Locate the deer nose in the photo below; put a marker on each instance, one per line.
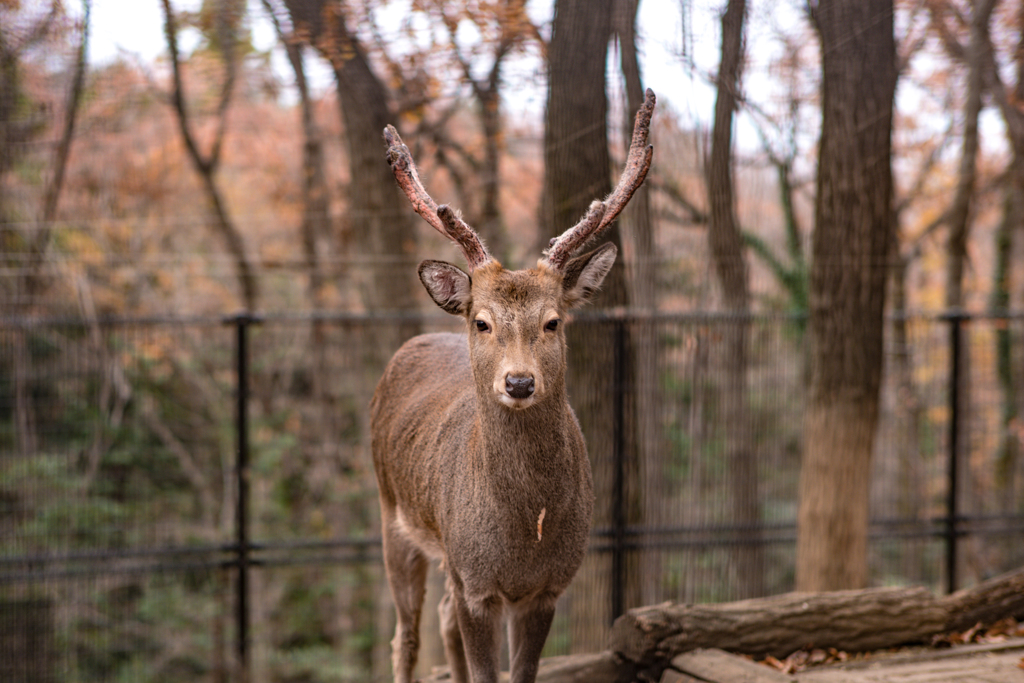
(519, 387)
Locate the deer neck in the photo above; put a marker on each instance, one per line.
(526, 443)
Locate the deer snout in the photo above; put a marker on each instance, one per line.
(519, 387)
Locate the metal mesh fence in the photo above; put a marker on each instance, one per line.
(180, 498)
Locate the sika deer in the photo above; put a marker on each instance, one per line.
(479, 458)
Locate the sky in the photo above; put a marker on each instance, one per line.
(134, 27)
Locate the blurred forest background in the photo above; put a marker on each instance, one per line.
(153, 212)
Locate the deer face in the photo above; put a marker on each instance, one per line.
(515, 320)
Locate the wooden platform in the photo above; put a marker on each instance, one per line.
(988, 663)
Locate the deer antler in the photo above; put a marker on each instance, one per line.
(602, 213)
(443, 219)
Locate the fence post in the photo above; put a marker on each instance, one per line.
(241, 323)
(619, 490)
(955, 319)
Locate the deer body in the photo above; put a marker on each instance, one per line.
(450, 476)
(479, 458)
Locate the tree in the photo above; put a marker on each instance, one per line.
(380, 225)
(576, 157)
(316, 221)
(1009, 233)
(25, 252)
(227, 19)
(382, 229)
(504, 26)
(726, 242)
(976, 58)
(853, 217)
(577, 167)
(637, 230)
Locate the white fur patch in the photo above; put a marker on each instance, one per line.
(419, 537)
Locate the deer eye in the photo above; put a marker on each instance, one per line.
(552, 325)
(482, 326)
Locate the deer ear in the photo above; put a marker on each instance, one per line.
(583, 275)
(447, 285)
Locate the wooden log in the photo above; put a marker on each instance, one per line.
(986, 603)
(673, 676)
(718, 666)
(602, 667)
(854, 620)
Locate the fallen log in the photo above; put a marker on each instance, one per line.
(602, 667)
(854, 620)
(986, 603)
(718, 666)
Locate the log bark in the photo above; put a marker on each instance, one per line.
(602, 667)
(718, 666)
(986, 603)
(849, 620)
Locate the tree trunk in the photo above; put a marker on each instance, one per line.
(726, 244)
(492, 227)
(576, 172)
(1008, 450)
(379, 218)
(576, 159)
(649, 491)
(1009, 238)
(853, 216)
(977, 58)
(488, 95)
(908, 491)
(383, 229)
(960, 210)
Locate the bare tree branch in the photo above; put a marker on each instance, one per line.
(70, 115)
(207, 165)
(678, 197)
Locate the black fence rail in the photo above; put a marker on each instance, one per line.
(194, 499)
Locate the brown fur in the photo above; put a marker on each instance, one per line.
(497, 488)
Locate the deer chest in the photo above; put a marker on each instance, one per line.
(522, 552)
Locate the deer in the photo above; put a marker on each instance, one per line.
(479, 458)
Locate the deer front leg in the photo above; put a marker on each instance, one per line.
(454, 651)
(480, 626)
(527, 630)
(406, 567)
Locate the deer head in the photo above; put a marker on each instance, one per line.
(515, 317)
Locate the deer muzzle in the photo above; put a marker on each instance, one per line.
(519, 387)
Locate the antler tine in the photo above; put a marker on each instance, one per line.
(441, 218)
(459, 232)
(408, 179)
(602, 213)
